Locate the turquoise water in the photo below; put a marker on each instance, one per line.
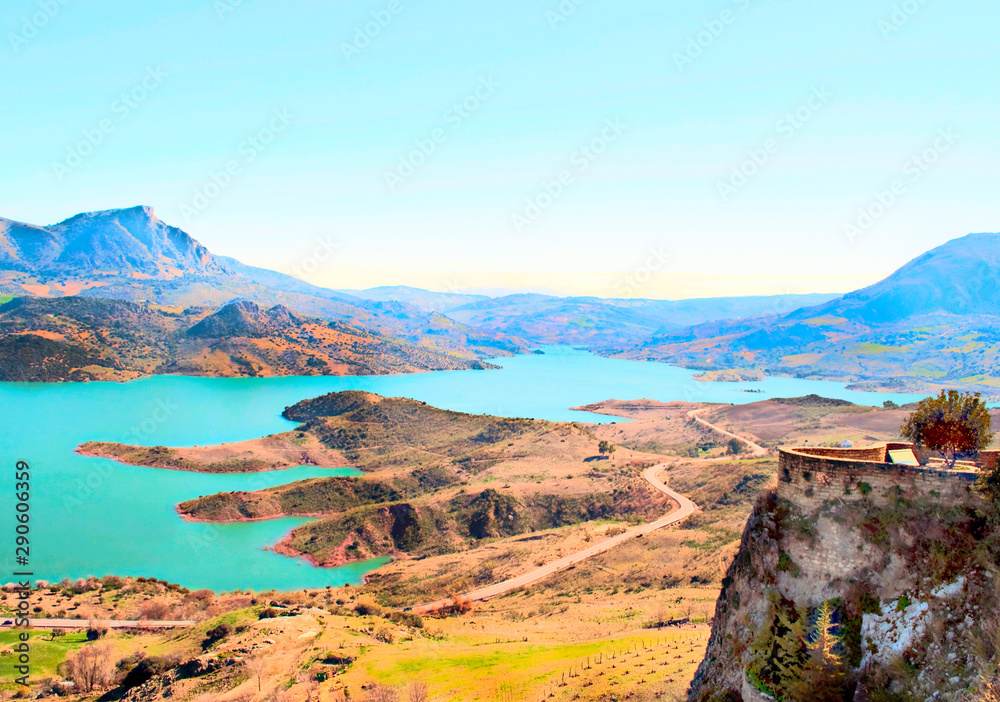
(92, 516)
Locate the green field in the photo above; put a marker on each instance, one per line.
(45, 655)
(468, 670)
(4, 299)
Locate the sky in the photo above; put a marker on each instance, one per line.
(620, 149)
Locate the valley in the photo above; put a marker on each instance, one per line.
(623, 637)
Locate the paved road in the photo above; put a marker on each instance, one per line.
(685, 509)
(757, 449)
(108, 623)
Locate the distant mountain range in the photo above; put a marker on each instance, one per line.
(548, 319)
(130, 255)
(934, 322)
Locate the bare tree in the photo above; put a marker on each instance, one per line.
(257, 666)
(92, 667)
(382, 693)
(417, 692)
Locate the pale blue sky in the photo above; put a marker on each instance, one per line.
(548, 86)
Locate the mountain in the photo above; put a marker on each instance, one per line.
(935, 322)
(130, 243)
(77, 338)
(131, 255)
(544, 319)
(960, 277)
(426, 300)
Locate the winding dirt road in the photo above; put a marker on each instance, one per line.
(685, 509)
(757, 449)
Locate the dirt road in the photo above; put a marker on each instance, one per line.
(685, 509)
(757, 449)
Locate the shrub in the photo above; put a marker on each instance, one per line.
(385, 635)
(217, 633)
(367, 606)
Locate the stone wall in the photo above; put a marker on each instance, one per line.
(811, 476)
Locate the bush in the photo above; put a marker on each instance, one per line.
(154, 609)
(385, 635)
(147, 668)
(367, 606)
(217, 633)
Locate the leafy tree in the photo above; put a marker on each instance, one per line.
(606, 447)
(952, 423)
(735, 446)
(890, 405)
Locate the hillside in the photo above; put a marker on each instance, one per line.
(933, 323)
(131, 255)
(76, 338)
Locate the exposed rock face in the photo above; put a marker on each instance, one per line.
(858, 580)
(127, 241)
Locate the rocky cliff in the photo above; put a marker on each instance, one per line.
(859, 580)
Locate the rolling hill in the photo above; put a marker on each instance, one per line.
(76, 339)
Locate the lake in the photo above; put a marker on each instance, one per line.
(92, 516)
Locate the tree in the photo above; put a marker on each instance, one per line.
(92, 667)
(952, 423)
(257, 666)
(382, 693)
(417, 692)
(606, 447)
(735, 446)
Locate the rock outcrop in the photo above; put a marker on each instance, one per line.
(858, 579)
